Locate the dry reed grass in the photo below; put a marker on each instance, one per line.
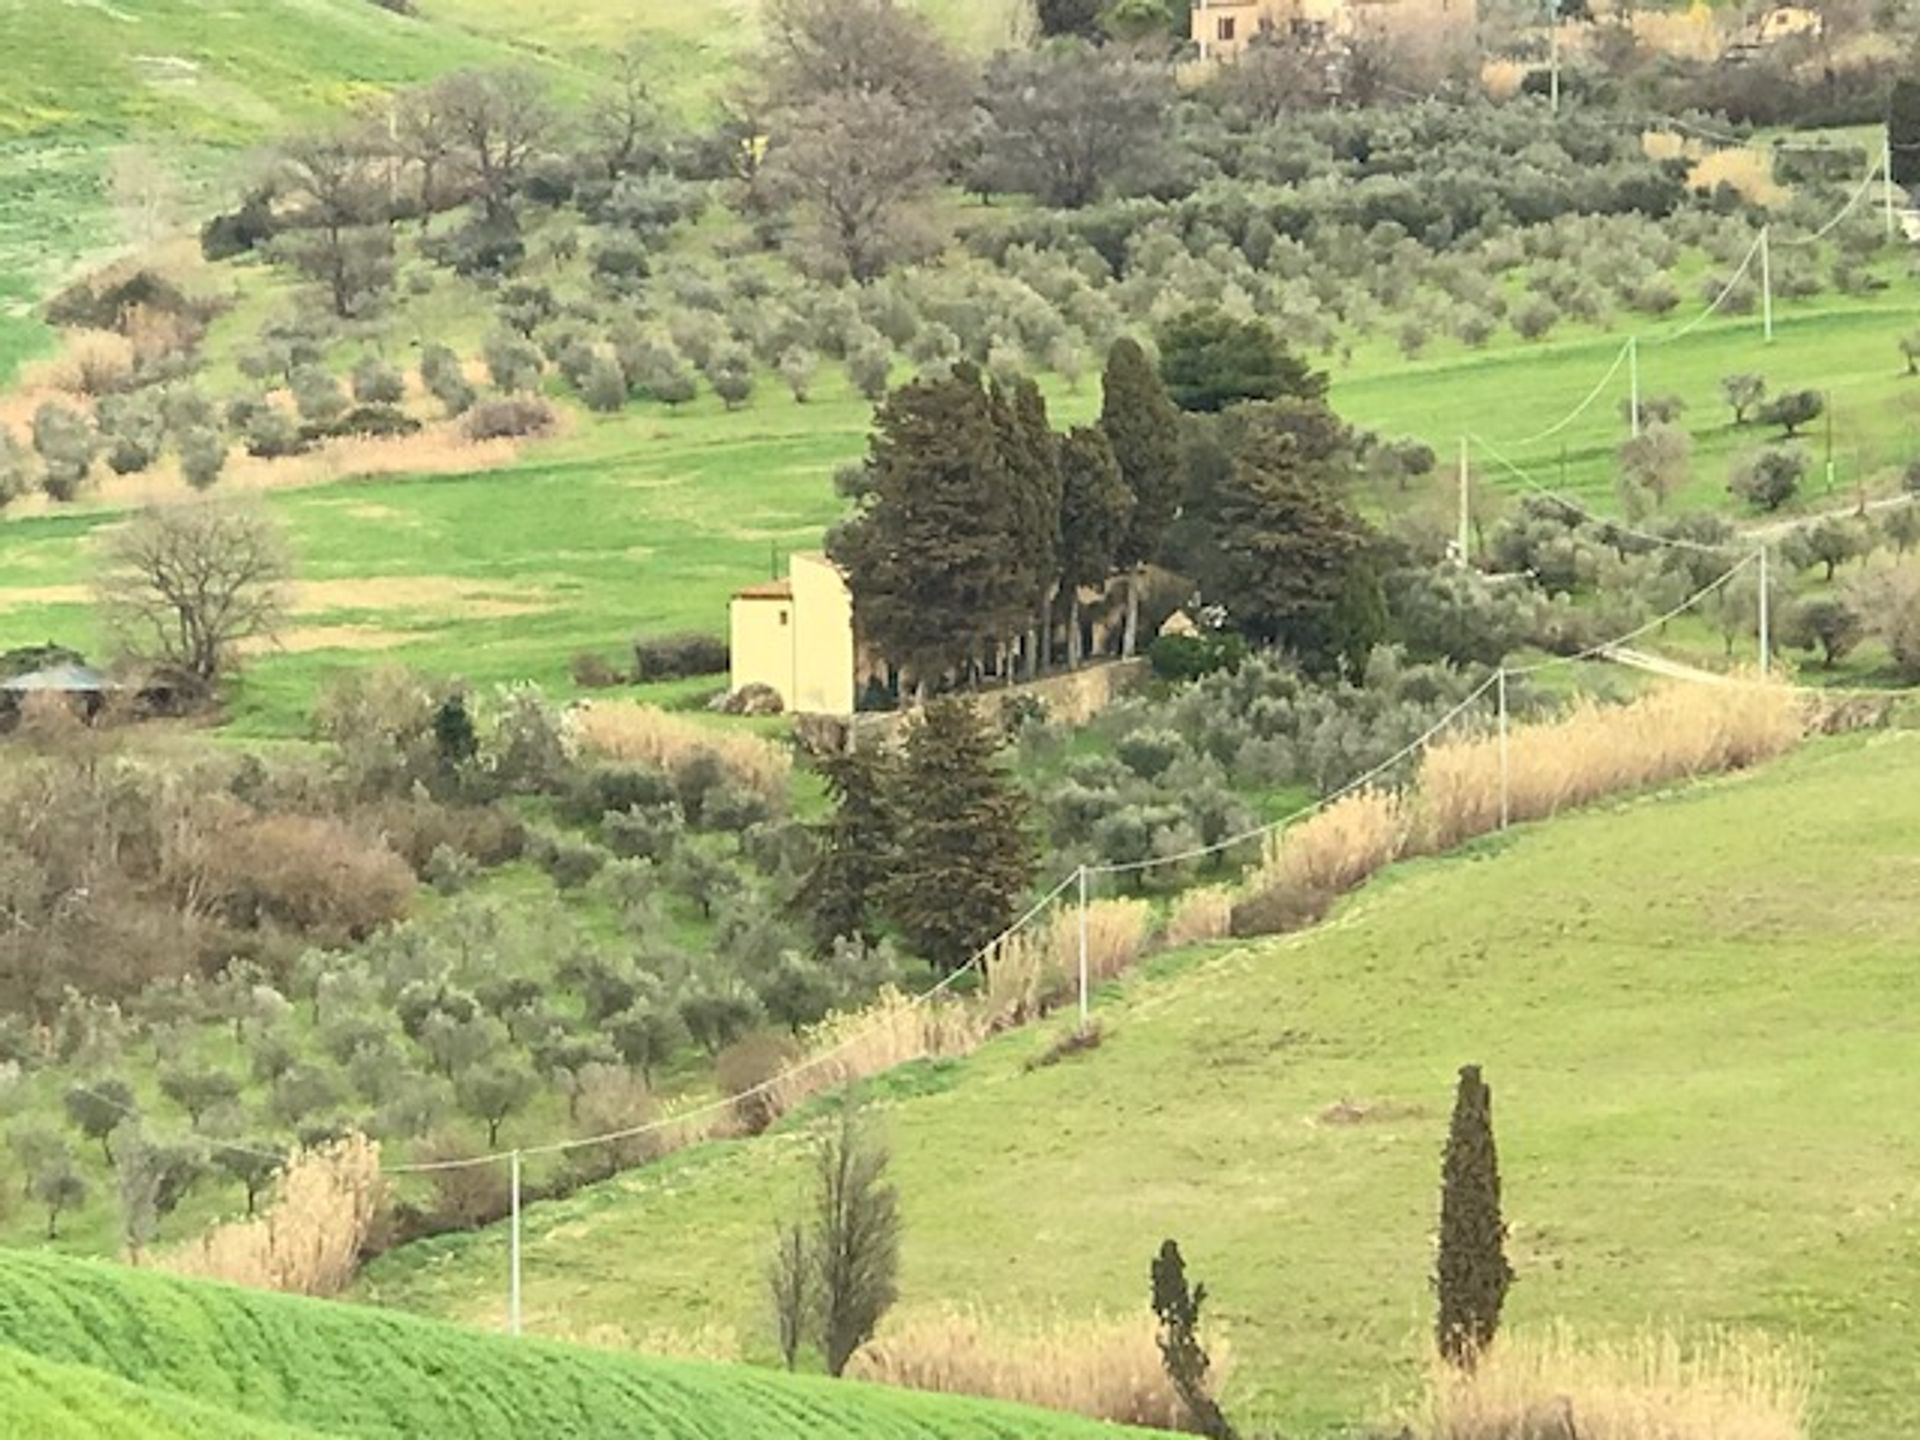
(1337, 848)
(1198, 915)
(645, 735)
(1105, 1368)
(308, 1239)
(1656, 1386)
(1598, 750)
(890, 1031)
(1033, 972)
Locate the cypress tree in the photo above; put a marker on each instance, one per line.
(1177, 1308)
(1283, 550)
(929, 556)
(1031, 455)
(963, 858)
(1903, 132)
(1095, 506)
(841, 897)
(1144, 429)
(1472, 1276)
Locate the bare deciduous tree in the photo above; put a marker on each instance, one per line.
(859, 162)
(856, 1240)
(790, 1286)
(336, 184)
(185, 585)
(499, 121)
(1064, 121)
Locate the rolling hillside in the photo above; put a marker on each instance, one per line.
(92, 1350)
(1694, 1010)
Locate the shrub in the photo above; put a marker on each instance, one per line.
(590, 671)
(272, 434)
(1108, 1369)
(743, 1071)
(1201, 914)
(512, 364)
(375, 382)
(380, 422)
(604, 388)
(465, 1197)
(66, 442)
(508, 417)
(91, 363)
(1148, 753)
(611, 1099)
(1183, 658)
(570, 862)
(440, 372)
(679, 656)
(416, 828)
(1770, 478)
(310, 874)
(203, 455)
(318, 396)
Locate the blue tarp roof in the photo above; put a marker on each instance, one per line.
(61, 679)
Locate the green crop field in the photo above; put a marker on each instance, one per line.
(1694, 1011)
(110, 1348)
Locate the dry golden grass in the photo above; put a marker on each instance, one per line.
(1656, 1386)
(1598, 750)
(647, 736)
(89, 363)
(1672, 734)
(308, 1238)
(1105, 1368)
(1031, 973)
(889, 1031)
(1338, 847)
(1202, 914)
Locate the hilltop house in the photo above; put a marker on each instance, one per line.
(1222, 29)
(796, 637)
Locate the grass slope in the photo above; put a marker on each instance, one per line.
(1695, 1010)
(50, 1401)
(340, 1371)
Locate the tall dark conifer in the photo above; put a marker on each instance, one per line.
(963, 858)
(1472, 1276)
(1144, 428)
(1285, 552)
(936, 583)
(1903, 132)
(1095, 506)
(842, 895)
(1032, 457)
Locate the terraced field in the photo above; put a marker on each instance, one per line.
(103, 1351)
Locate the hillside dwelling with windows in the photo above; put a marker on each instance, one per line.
(796, 637)
(1222, 29)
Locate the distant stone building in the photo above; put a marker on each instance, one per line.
(1222, 29)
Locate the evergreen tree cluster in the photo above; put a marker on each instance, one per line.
(932, 841)
(976, 515)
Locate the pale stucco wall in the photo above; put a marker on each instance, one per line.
(761, 639)
(823, 682)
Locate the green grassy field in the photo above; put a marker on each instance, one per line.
(1699, 1046)
(102, 1350)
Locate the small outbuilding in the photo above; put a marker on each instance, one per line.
(86, 689)
(796, 637)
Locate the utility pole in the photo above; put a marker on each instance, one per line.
(1633, 383)
(1766, 280)
(1506, 803)
(1827, 406)
(1086, 1007)
(1886, 176)
(1766, 640)
(1553, 55)
(1466, 519)
(513, 1277)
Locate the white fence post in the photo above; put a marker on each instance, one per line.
(1766, 279)
(513, 1276)
(1766, 606)
(1085, 999)
(1506, 804)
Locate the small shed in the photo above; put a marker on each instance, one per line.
(82, 686)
